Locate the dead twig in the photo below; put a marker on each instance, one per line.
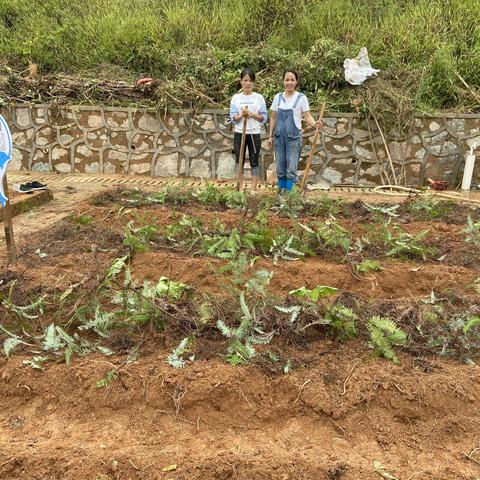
(301, 390)
(348, 378)
(243, 395)
(134, 466)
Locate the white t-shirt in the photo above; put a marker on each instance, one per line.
(255, 103)
(289, 102)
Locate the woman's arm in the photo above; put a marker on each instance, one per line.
(311, 122)
(273, 121)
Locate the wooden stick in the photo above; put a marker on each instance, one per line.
(312, 151)
(381, 170)
(7, 221)
(386, 149)
(241, 160)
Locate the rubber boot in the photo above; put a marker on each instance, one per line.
(282, 184)
(289, 184)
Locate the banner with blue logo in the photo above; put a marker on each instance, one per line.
(5, 156)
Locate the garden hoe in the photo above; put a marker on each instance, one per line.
(241, 160)
(322, 183)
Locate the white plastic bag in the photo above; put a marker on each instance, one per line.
(357, 70)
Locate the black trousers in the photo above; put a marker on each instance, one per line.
(253, 142)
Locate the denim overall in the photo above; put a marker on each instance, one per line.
(288, 145)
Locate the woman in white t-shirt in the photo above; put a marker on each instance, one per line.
(248, 106)
(288, 109)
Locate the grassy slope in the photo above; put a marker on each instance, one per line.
(419, 44)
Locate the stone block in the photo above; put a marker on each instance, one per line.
(93, 167)
(170, 165)
(62, 167)
(117, 120)
(60, 154)
(19, 161)
(149, 123)
(22, 115)
(225, 165)
(142, 142)
(333, 175)
(45, 136)
(200, 168)
(40, 167)
(139, 168)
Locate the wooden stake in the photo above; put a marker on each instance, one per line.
(241, 160)
(7, 221)
(312, 151)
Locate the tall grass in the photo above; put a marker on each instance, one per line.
(210, 40)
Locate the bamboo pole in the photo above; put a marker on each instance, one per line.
(7, 222)
(312, 151)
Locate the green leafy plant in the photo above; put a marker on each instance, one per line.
(109, 377)
(222, 246)
(243, 338)
(327, 206)
(472, 323)
(80, 219)
(282, 249)
(29, 312)
(328, 235)
(369, 266)
(137, 239)
(429, 206)
(391, 210)
(384, 335)
(320, 291)
(175, 359)
(401, 243)
(472, 231)
(342, 319)
(290, 204)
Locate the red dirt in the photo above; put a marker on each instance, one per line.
(337, 412)
(216, 421)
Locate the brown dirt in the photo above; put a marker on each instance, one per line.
(331, 419)
(337, 412)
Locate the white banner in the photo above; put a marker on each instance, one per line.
(5, 156)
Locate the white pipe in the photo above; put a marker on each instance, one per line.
(468, 170)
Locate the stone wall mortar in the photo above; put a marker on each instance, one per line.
(188, 143)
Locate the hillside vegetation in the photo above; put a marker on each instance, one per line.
(428, 51)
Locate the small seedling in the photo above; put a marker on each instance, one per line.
(175, 359)
(320, 291)
(107, 379)
(369, 266)
(384, 335)
(80, 219)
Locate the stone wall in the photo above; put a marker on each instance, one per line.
(139, 142)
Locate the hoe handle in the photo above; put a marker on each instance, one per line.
(312, 151)
(241, 160)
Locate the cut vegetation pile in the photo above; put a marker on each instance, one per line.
(244, 337)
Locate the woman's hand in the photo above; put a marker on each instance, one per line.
(270, 142)
(318, 124)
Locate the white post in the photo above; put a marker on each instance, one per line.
(468, 170)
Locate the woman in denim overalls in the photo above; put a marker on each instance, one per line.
(288, 108)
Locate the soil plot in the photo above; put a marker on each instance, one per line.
(209, 334)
